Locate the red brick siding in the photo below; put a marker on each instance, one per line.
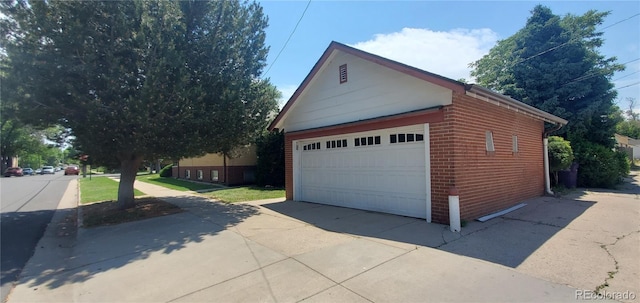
(236, 173)
(442, 165)
(288, 166)
(488, 182)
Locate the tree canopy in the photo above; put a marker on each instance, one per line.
(629, 124)
(553, 63)
(137, 80)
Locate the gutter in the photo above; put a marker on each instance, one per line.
(490, 96)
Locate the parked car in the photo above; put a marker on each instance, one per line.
(27, 171)
(47, 170)
(38, 171)
(13, 171)
(71, 170)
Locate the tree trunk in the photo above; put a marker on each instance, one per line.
(224, 168)
(128, 170)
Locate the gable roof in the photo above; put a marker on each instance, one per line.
(456, 86)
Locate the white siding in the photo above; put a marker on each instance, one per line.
(371, 91)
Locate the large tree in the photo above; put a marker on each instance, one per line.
(137, 80)
(629, 124)
(553, 63)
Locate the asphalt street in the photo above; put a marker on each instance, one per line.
(28, 204)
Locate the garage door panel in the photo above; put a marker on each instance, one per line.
(386, 177)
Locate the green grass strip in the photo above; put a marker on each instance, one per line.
(176, 184)
(246, 193)
(100, 189)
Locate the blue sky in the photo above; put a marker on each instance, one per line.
(440, 37)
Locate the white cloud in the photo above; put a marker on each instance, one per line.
(287, 91)
(444, 53)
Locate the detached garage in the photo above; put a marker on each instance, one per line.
(370, 133)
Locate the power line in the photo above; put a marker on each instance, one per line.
(627, 75)
(638, 14)
(286, 42)
(572, 40)
(597, 73)
(632, 84)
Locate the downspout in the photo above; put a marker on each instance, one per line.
(545, 144)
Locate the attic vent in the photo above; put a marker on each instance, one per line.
(343, 73)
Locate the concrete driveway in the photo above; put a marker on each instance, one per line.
(281, 251)
(588, 240)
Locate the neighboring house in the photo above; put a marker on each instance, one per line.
(635, 144)
(625, 144)
(370, 133)
(621, 140)
(210, 168)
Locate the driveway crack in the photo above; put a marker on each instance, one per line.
(611, 274)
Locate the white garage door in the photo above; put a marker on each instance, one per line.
(378, 170)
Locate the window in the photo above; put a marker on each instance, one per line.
(364, 141)
(199, 174)
(311, 146)
(489, 141)
(187, 174)
(401, 138)
(214, 175)
(343, 73)
(337, 143)
(514, 140)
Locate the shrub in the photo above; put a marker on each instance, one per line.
(166, 171)
(270, 164)
(599, 165)
(560, 155)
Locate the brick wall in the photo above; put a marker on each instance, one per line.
(488, 182)
(288, 166)
(236, 173)
(442, 165)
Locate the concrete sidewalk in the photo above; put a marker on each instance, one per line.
(272, 251)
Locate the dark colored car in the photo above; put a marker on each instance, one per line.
(71, 170)
(28, 171)
(13, 171)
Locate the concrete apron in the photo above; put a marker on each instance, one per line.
(290, 251)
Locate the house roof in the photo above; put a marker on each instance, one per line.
(456, 86)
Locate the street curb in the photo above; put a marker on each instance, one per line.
(56, 245)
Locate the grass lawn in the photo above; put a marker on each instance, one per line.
(176, 184)
(100, 189)
(246, 193)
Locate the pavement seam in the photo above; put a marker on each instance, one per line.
(246, 243)
(336, 283)
(465, 235)
(611, 274)
(224, 281)
(368, 270)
